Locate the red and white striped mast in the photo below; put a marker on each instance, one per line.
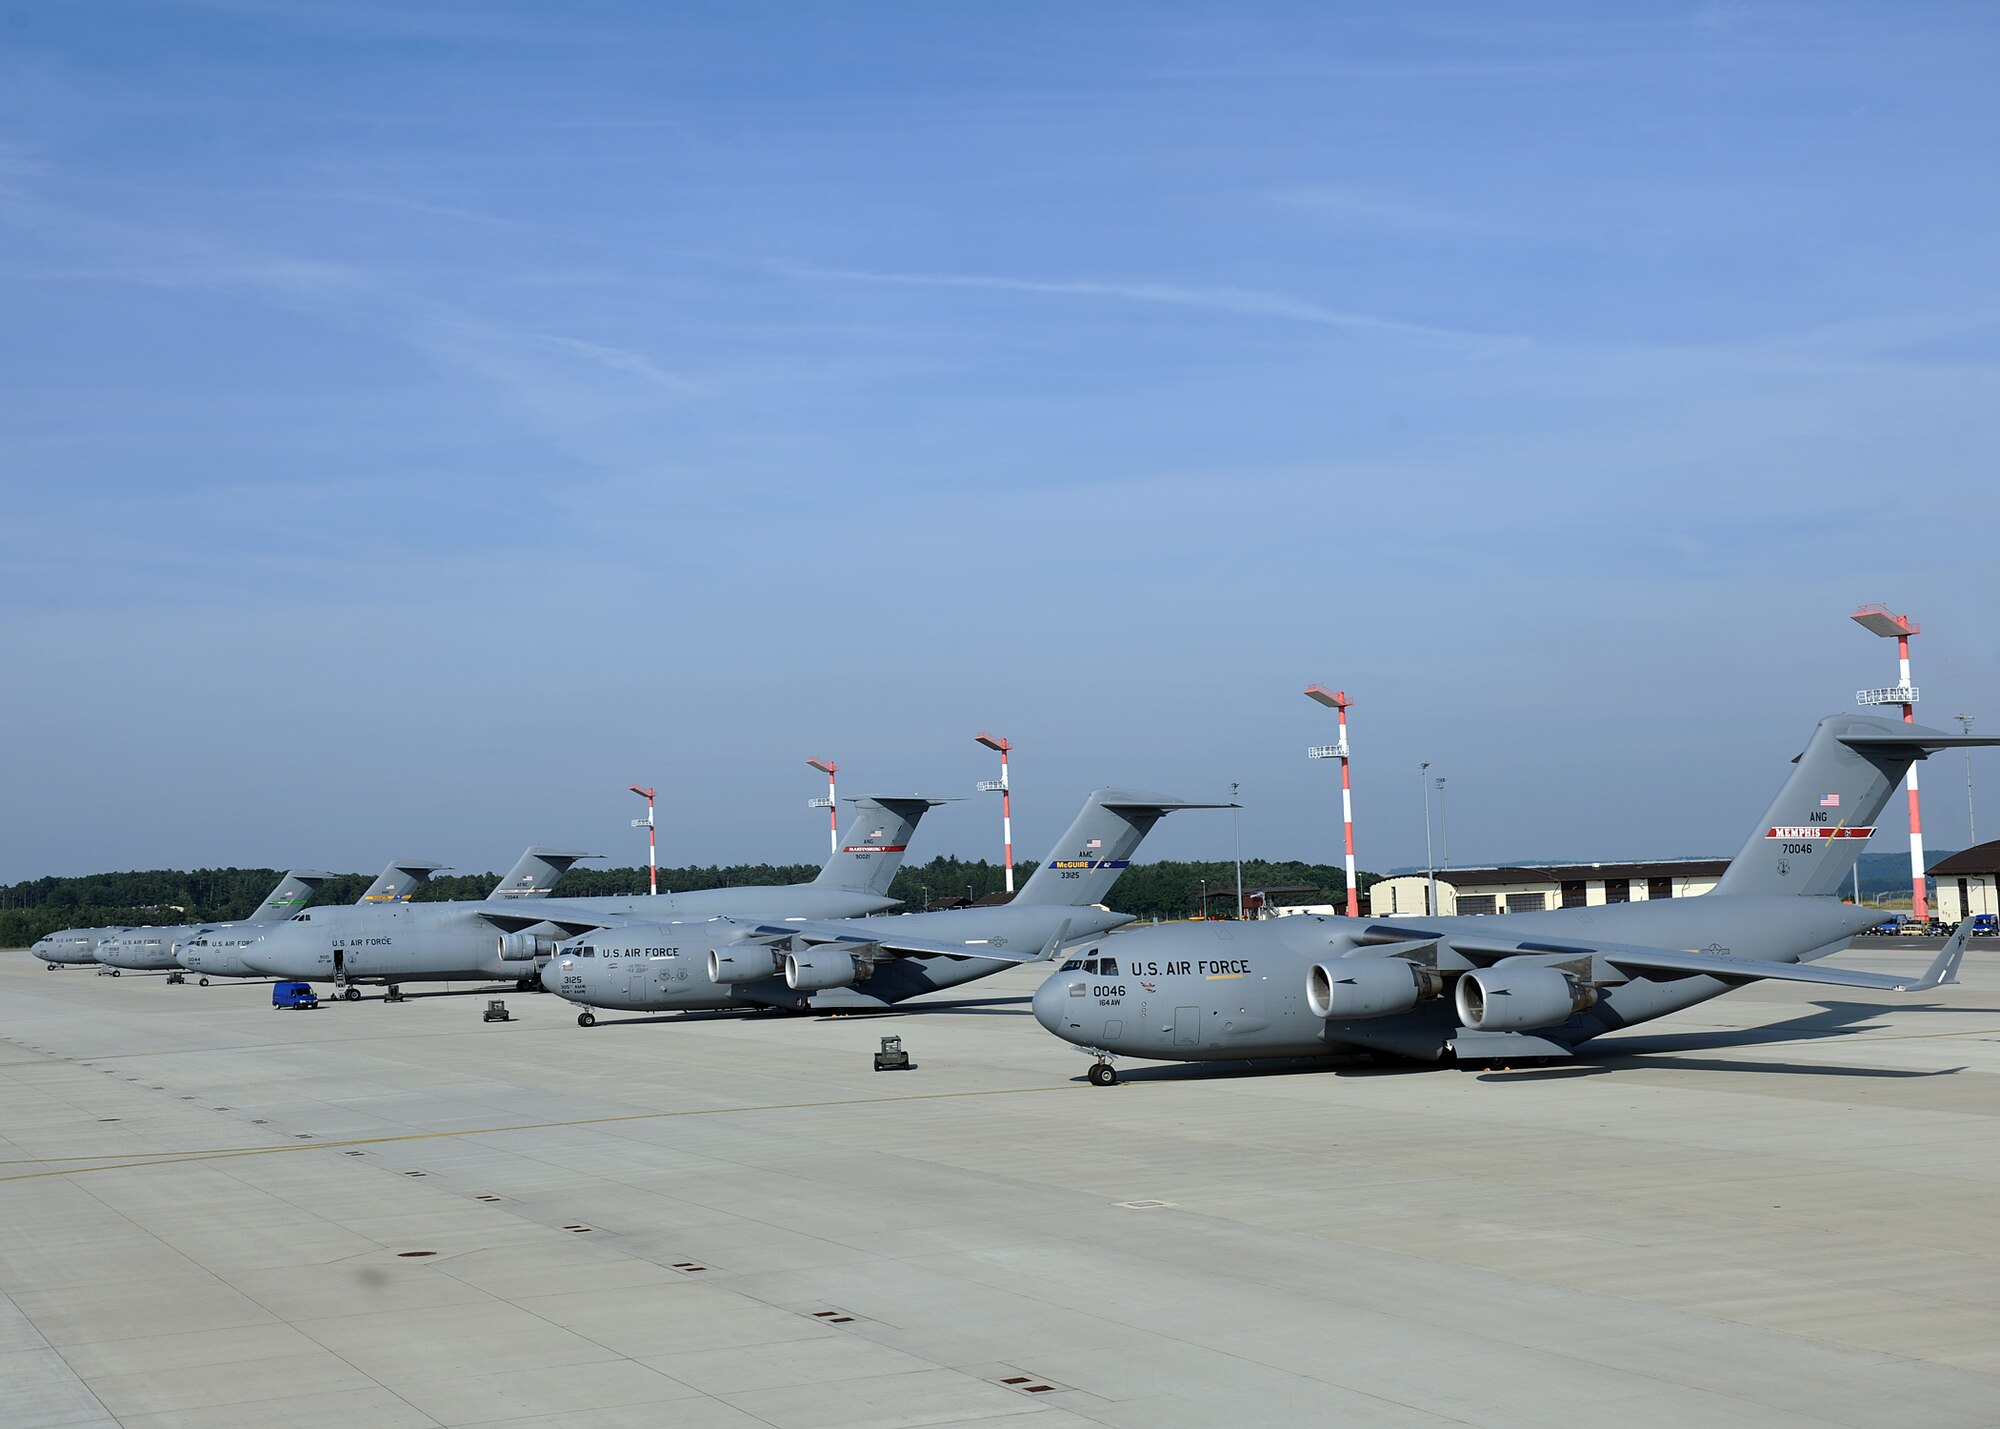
(1880, 620)
(652, 847)
(830, 803)
(988, 786)
(1337, 700)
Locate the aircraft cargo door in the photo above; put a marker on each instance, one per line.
(1187, 1026)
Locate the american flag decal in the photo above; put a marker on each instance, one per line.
(1831, 801)
(1095, 843)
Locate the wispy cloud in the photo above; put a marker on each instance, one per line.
(1239, 302)
(618, 359)
(1376, 210)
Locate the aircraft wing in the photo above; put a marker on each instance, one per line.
(1478, 949)
(542, 916)
(873, 943)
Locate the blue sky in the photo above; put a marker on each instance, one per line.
(423, 421)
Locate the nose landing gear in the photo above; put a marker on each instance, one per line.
(586, 1019)
(1103, 1074)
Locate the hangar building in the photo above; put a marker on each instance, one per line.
(1967, 883)
(1534, 888)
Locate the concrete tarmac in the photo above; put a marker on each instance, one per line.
(1777, 1209)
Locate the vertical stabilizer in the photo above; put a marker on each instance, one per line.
(1087, 859)
(293, 892)
(537, 871)
(874, 842)
(399, 882)
(1810, 837)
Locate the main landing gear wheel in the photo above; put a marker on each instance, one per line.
(353, 994)
(1103, 1074)
(586, 1019)
(204, 982)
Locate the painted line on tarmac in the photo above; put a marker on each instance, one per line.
(232, 1153)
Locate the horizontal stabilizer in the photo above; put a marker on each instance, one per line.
(867, 939)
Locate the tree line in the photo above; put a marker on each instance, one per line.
(160, 897)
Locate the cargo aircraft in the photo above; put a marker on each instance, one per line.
(860, 964)
(504, 938)
(218, 952)
(159, 949)
(1525, 985)
(72, 946)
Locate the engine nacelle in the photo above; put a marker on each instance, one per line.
(526, 947)
(819, 968)
(1349, 989)
(741, 962)
(1515, 998)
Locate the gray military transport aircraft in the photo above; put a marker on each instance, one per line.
(860, 964)
(159, 949)
(71, 946)
(218, 952)
(499, 939)
(1480, 988)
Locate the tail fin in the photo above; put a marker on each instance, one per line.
(1087, 860)
(874, 841)
(537, 872)
(293, 892)
(399, 882)
(1816, 828)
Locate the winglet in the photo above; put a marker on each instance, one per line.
(1052, 949)
(1945, 969)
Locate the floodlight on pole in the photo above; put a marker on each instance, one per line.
(1430, 868)
(1880, 620)
(988, 786)
(1971, 824)
(652, 847)
(831, 803)
(1337, 700)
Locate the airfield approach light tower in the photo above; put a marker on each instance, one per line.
(652, 845)
(990, 786)
(1337, 700)
(830, 803)
(1880, 620)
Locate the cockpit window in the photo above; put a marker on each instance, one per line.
(302, 917)
(1073, 965)
(586, 952)
(1108, 968)
(1090, 965)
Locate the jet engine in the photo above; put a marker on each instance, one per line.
(741, 962)
(1510, 997)
(1348, 989)
(526, 947)
(819, 968)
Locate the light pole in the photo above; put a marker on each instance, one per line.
(1444, 826)
(1879, 620)
(1337, 700)
(1430, 868)
(989, 786)
(829, 803)
(1204, 900)
(1236, 837)
(1971, 825)
(652, 847)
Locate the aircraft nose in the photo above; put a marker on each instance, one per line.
(1049, 1003)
